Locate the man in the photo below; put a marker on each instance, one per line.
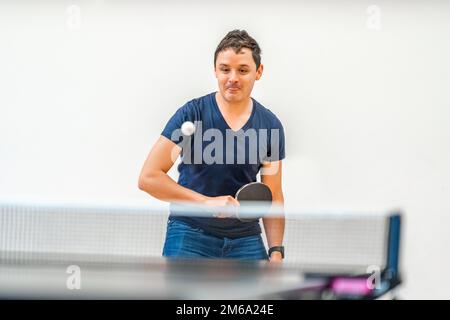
(213, 168)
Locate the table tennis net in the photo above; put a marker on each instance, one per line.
(100, 234)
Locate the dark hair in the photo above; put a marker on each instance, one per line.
(236, 40)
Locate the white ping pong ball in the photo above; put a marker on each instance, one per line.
(188, 128)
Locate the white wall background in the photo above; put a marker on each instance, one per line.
(366, 110)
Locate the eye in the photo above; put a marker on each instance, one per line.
(244, 70)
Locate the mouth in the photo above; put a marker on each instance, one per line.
(233, 89)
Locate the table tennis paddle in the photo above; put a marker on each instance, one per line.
(255, 194)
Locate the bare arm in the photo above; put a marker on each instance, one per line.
(274, 226)
(155, 181)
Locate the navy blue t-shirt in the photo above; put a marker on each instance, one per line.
(217, 161)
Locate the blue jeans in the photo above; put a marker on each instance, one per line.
(185, 241)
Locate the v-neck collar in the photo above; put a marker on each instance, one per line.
(214, 101)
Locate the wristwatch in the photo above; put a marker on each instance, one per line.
(277, 248)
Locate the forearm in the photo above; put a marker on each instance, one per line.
(162, 187)
(274, 228)
(274, 223)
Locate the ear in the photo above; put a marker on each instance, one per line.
(259, 72)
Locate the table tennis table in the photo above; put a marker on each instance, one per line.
(164, 278)
(155, 278)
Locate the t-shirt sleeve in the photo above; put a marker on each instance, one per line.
(276, 143)
(172, 130)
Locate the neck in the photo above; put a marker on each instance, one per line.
(234, 108)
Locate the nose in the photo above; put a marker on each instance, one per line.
(233, 77)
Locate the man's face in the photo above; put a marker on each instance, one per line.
(236, 74)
